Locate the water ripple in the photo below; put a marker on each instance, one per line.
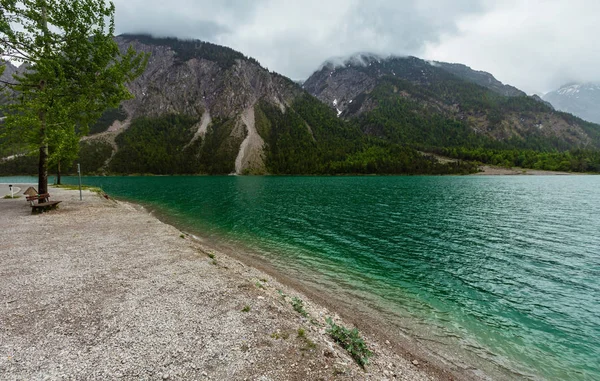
(504, 269)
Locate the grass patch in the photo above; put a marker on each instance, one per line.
(351, 341)
(9, 197)
(83, 187)
(214, 262)
(182, 236)
(282, 335)
(298, 305)
(308, 344)
(260, 285)
(246, 309)
(211, 255)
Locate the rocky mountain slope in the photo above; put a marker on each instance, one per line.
(400, 97)
(7, 76)
(204, 108)
(581, 99)
(208, 84)
(480, 78)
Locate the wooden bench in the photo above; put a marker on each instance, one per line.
(43, 204)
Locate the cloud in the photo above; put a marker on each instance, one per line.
(295, 37)
(535, 45)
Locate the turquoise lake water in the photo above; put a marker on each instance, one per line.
(507, 269)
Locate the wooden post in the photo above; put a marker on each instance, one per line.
(79, 173)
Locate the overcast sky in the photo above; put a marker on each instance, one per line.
(536, 45)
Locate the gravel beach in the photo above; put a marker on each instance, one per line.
(100, 289)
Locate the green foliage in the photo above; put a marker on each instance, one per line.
(156, 145)
(298, 305)
(308, 344)
(396, 159)
(20, 165)
(282, 335)
(569, 161)
(219, 148)
(351, 341)
(63, 147)
(246, 309)
(107, 119)
(410, 121)
(93, 155)
(447, 112)
(310, 139)
(75, 71)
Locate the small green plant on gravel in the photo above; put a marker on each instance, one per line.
(282, 335)
(11, 197)
(260, 285)
(181, 236)
(211, 255)
(351, 341)
(246, 309)
(214, 262)
(337, 372)
(308, 344)
(264, 280)
(298, 305)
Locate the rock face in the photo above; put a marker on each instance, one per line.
(581, 99)
(9, 70)
(7, 76)
(206, 81)
(365, 84)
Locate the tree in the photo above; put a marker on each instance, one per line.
(75, 70)
(63, 146)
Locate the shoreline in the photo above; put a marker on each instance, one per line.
(488, 170)
(370, 323)
(113, 288)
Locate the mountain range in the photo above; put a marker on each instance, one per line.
(581, 99)
(204, 108)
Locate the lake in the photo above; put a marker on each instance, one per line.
(502, 271)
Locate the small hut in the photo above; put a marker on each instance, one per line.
(30, 191)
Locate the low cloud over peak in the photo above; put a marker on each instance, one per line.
(536, 45)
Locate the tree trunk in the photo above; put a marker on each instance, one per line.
(43, 165)
(58, 173)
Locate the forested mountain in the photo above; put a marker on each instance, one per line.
(409, 100)
(581, 99)
(204, 108)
